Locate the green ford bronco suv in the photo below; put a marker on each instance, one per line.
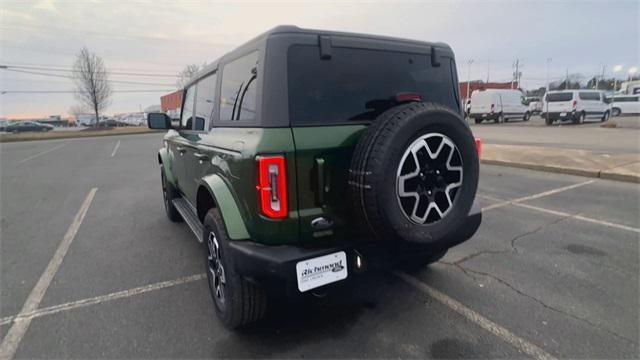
(305, 157)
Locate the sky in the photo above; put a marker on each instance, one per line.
(158, 38)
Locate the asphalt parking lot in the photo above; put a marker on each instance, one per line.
(552, 273)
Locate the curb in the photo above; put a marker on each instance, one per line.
(601, 174)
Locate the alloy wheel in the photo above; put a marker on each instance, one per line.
(428, 178)
(215, 270)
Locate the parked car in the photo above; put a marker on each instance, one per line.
(23, 126)
(624, 104)
(299, 164)
(535, 107)
(3, 124)
(498, 105)
(574, 105)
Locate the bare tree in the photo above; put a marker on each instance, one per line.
(93, 89)
(188, 73)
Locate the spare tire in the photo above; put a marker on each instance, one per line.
(414, 174)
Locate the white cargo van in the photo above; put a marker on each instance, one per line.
(574, 105)
(498, 105)
(625, 104)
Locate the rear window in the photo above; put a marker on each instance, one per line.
(589, 96)
(557, 97)
(358, 85)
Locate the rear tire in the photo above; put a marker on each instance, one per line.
(478, 121)
(580, 119)
(169, 193)
(526, 117)
(237, 301)
(548, 121)
(499, 119)
(616, 112)
(605, 117)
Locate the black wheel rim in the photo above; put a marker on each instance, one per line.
(428, 178)
(215, 271)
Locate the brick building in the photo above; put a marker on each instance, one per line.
(479, 84)
(171, 103)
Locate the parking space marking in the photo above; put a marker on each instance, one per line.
(102, 298)
(19, 328)
(559, 213)
(535, 196)
(113, 153)
(41, 153)
(497, 330)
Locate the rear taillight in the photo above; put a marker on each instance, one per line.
(574, 105)
(272, 186)
(479, 147)
(493, 107)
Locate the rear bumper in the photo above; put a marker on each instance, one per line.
(259, 261)
(484, 116)
(570, 115)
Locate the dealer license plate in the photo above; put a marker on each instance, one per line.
(313, 273)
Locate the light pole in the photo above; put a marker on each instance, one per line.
(548, 62)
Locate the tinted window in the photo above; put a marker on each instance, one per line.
(238, 90)
(589, 96)
(358, 85)
(205, 96)
(625, 99)
(557, 97)
(186, 120)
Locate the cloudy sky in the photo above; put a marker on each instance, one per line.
(151, 41)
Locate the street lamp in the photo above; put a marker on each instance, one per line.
(468, 78)
(548, 62)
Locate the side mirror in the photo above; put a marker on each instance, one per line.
(158, 121)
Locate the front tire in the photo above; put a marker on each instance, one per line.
(526, 117)
(237, 301)
(605, 117)
(499, 119)
(616, 112)
(478, 121)
(169, 193)
(548, 121)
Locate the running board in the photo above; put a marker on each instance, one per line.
(188, 213)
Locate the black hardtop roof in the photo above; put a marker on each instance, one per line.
(295, 30)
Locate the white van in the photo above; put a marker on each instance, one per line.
(574, 105)
(625, 104)
(498, 105)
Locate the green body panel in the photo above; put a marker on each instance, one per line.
(228, 206)
(167, 163)
(323, 158)
(231, 157)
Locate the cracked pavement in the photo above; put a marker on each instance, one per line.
(569, 286)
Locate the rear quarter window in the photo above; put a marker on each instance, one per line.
(558, 97)
(589, 96)
(357, 85)
(238, 89)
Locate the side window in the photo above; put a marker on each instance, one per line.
(238, 90)
(589, 96)
(186, 119)
(205, 96)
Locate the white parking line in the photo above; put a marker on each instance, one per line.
(41, 153)
(536, 196)
(115, 149)
(558, 213)
(497, 330)
(19, 328)
(101, 299)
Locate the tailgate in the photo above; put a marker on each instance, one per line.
(323, 157)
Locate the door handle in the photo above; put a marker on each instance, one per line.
(201, 157)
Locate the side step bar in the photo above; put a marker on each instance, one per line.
(190, 216)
